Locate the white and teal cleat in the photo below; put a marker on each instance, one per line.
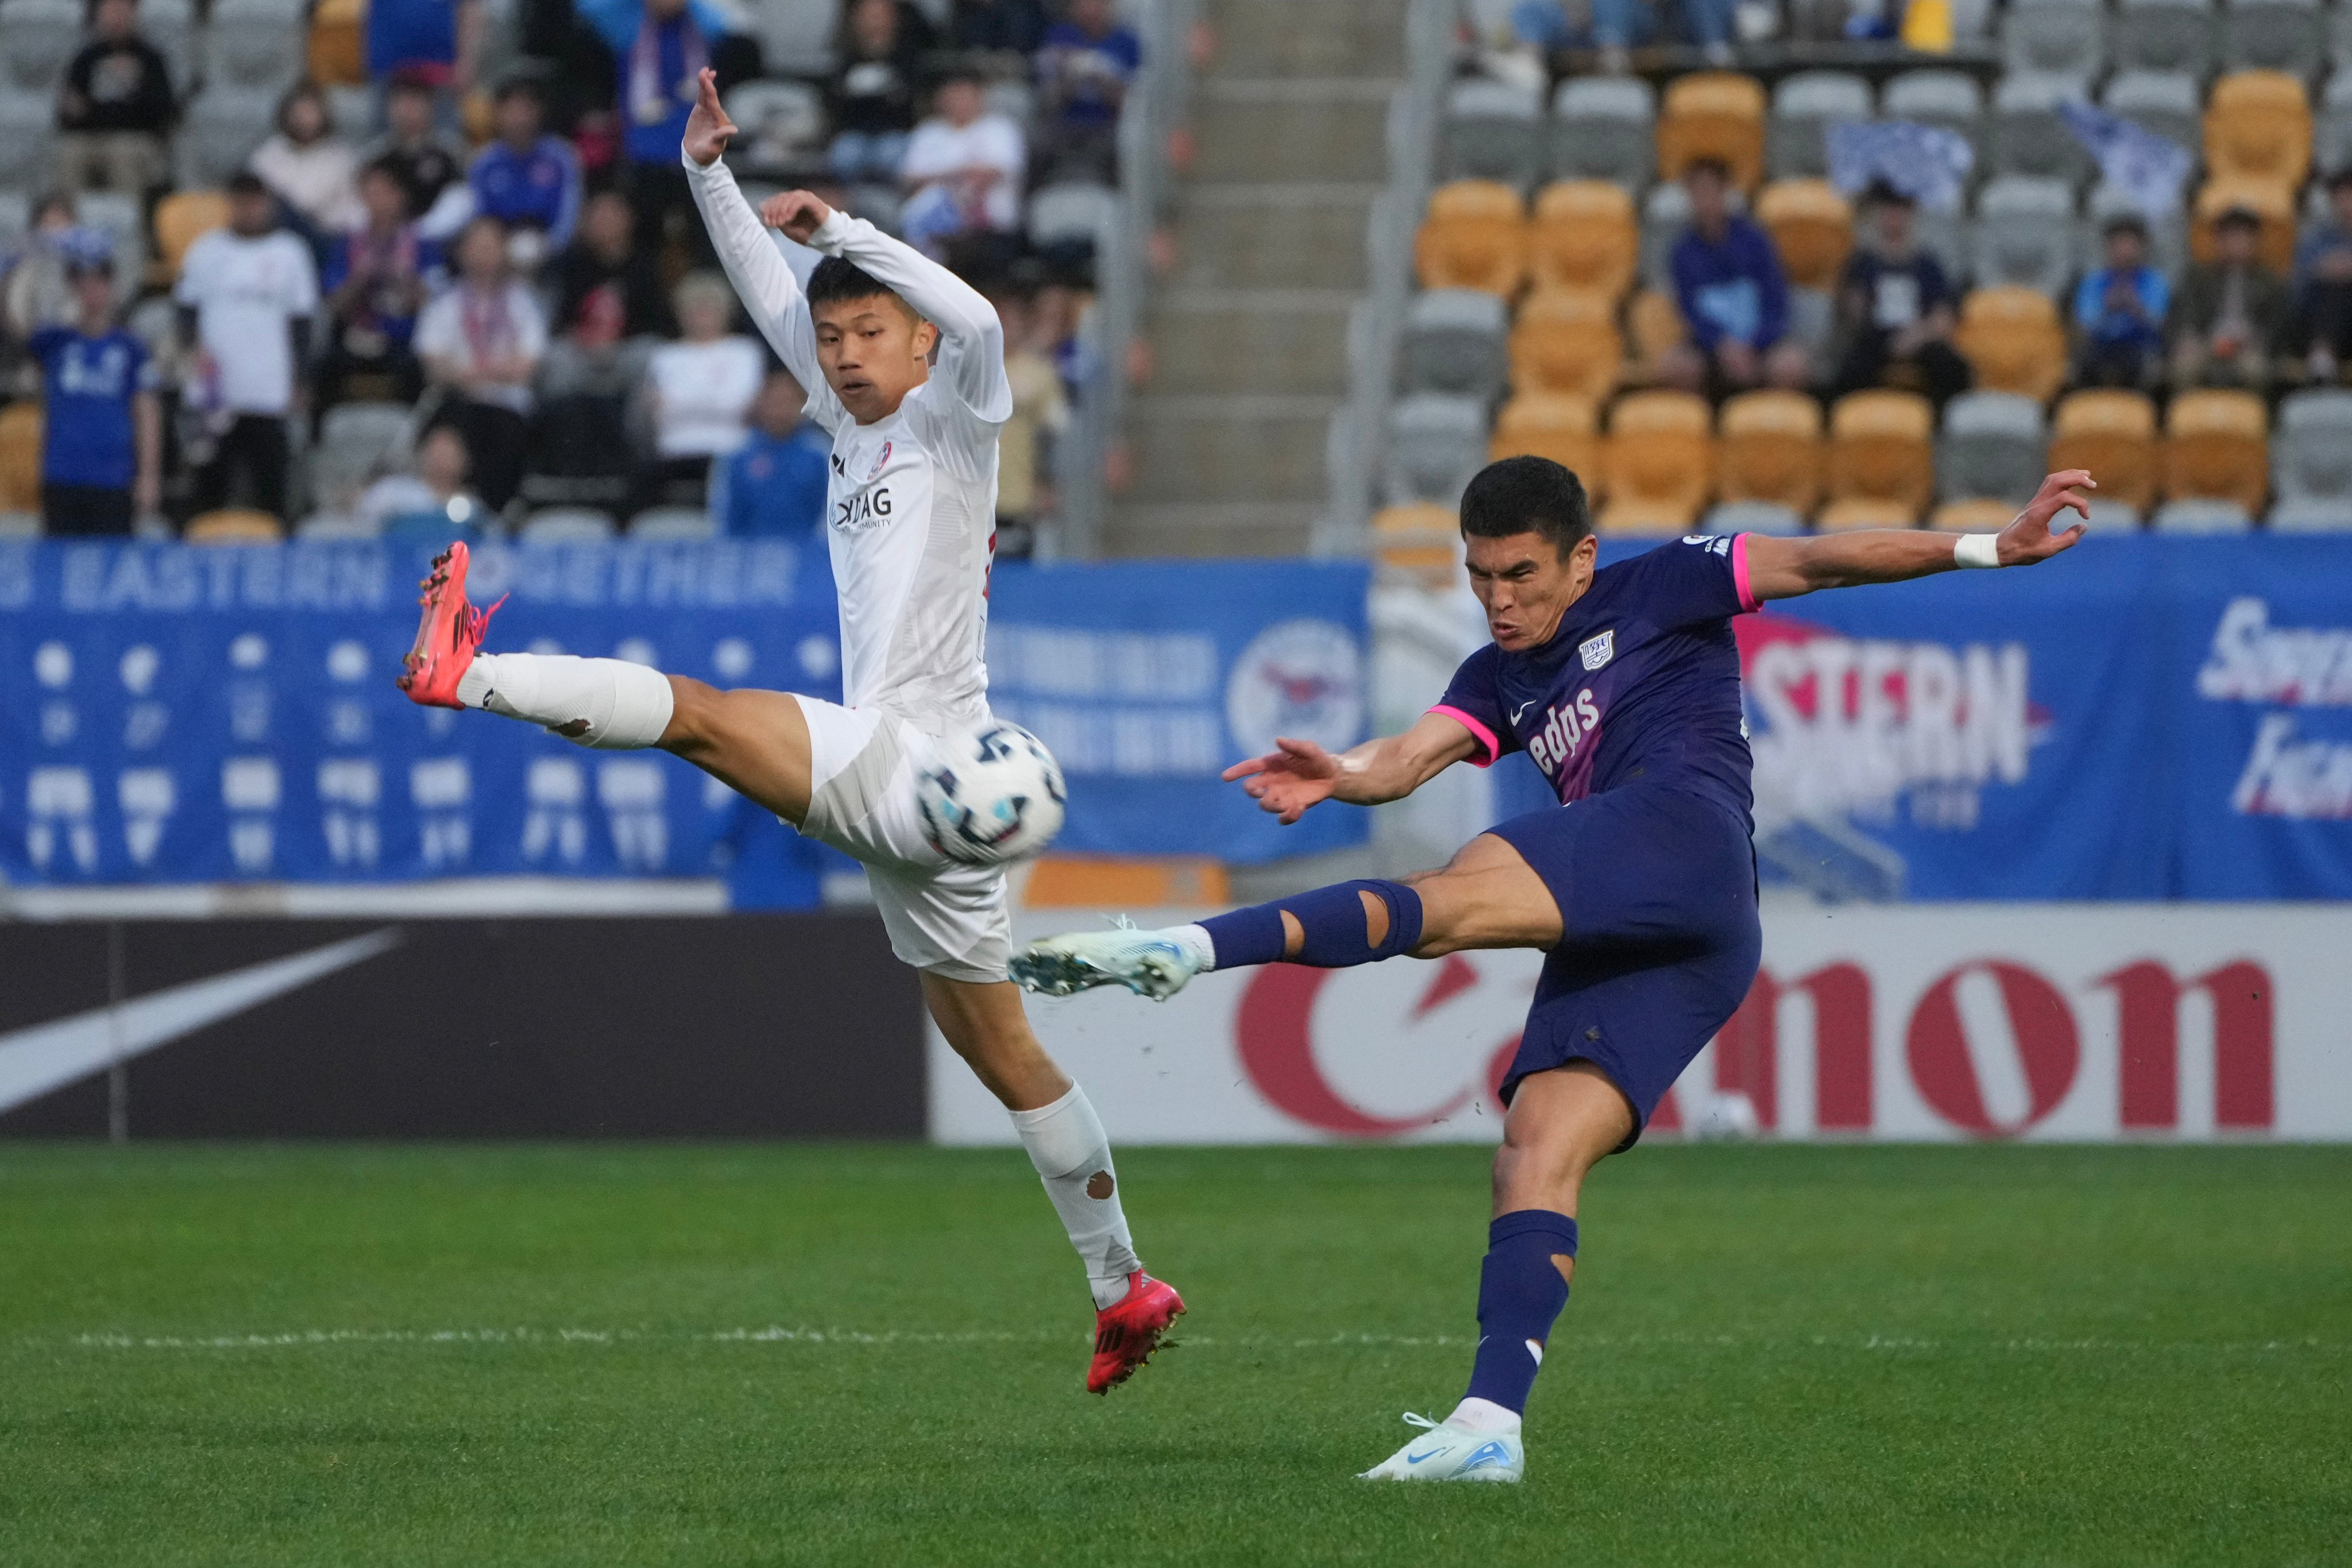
(1153, 964)
(1445, 1453)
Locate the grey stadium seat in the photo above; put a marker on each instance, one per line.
(171, 26)
(2026, 135)
(2273, 35)
(1950, 101)
(1991, 448)
(220, 132)
(1065, 213)
(2167, 102)
(1751, 517)
(1435, 442)
(1604, 128)
(780, 121)
(1803, 106)
(2201, 517)
(117, 214)
(2025, 233)
(2331, 129)
(796, 36)
(15, 217)
(1455, 340)
(567, 525)
(1665, 213)
(2339, 36)
(2113, 516)
(2166, 36)
(2311, 516)
(254, 46)
(1947, 238)
(2168, 234)
(25, 121)
(665, 524)
(2055, 37)
(37, 37)
(2311, 449)
(1494, 131)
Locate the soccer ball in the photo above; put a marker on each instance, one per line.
(992, 796)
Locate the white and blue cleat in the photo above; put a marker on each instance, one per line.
(1151, 964)
(1443, 1453)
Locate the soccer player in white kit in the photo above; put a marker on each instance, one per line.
(911, 521)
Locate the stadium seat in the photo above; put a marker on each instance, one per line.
(1864, 511)
(2027, 137)
(171, 26)
(2164, 35)
(37, 39)
(1494, 131)
(1768, 448)
(359, 443)
(1556, 424)
(1881, 450)
(1075, 213)
(567, 525)
(2217, 447)
(2167, 102)
(2012, 340)
(673, 524)
(1660, 461)
(1945, 237)
(15, 216)
(1435, 442)
(796, 36)
(2201, 516)
(116, 213)
(1750, 517)
(2167, 232)
(2311, 515)
(1420, 542)
(1977, 516)
(2258, 127)
(254, 47)
(20, 525)
(1604, 128)
(337, 50)
(1126, 881)
(1454, 342)
(2273, 35)
(2025, 233)
(2112, 435)
(2273, 203)
(1991, 448)
(25, 123)
(1949, 100)
(2339, 37)
(1811, 227)
(1566, 341)
(21, 429)
(1804, 106)
(2331, 136)
(2110, 515)
(2311, 449)
(338, 527)
(779, 121)
(221, 130)
(2054, 37)
(1584, 238)
(1713, 114)
(1653, 327)
(232, 525)
(181, 218)
(1475, 236)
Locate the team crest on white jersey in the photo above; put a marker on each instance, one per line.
(881, 461)
(1598, 651)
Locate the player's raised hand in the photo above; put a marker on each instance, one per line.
(708, 129)
(2028, 538)
(799, 213)
(1287, 780)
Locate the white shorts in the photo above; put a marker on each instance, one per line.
(942, 915)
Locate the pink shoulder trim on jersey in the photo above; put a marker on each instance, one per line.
(1478, 732)
(1747, 599)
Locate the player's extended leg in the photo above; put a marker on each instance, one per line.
(1487, 896)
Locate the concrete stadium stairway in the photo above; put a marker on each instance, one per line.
(1246, 332)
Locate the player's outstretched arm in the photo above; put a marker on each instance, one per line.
(1298, 775)
(1784, 568)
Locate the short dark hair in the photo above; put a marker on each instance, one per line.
(2240, 218)
(1885, 192)
(1705, 165)
(837, 278)
(1527, 495)
(2125, 223)
(246, 183)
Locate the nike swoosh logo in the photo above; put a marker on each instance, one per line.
(1417, 1458)
(45, 1057)
(1521, 709)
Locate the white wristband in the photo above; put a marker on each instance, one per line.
(1977, 550)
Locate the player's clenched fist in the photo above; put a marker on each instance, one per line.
(799, 213)
(708, 129)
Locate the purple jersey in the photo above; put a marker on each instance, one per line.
(1641, 681)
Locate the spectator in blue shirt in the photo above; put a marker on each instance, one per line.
(661, 47)
(434, 43)
(1733, 295)
(774, 487)
(374, 285)
(102, 449)
(2119, 309)
(528, 181)
(1083, 74)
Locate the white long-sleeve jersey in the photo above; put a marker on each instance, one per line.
(912, 500)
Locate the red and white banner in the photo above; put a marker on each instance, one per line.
(1917, 1022)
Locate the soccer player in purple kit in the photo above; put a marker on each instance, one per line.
(1621, 683)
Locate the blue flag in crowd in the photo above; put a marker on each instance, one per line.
(2152, 169)
(1924, 161)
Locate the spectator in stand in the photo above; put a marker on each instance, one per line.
(1733, 295)
(375, 283)
(2231, 314)
(2322, 286)
(435, 42)
(774, 487)
(528, 181)
(1083, 72)
(962, 171)
(2119, 311)
(1896, 309)
(102, 447)
(247, 294)
(431, 161)
(480, 341)
(311, 170)
(662, 47)
(871, 99)
(605, 285)
(1041, 413)
(699, 390)
(431, 499)
(1016, 29)
(39, 294)
(115, 107)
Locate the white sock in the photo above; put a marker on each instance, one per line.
(625, 706)
(1195, 941)
(1484, 1417)
(1066, 1144)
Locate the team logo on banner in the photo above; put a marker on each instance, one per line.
(1303, 679)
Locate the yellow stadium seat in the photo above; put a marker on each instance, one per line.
(1126, 882)
(1556, 424)
(2012, 338)
(1812, 228)
(1654, 324)
(2266, 199)
(21, 429)
(234, 525)
(1864, 511)
(1474, 236)
(338, 50)
(1660, 458)
(1566, 341)
(181, 218)
(1768, 446)
(1418, 542)
(2258, 127)
(2112, 435)
(1584, 237)
(1713, 114)
(2217, 447)
(1881, 448)
(1979, 516)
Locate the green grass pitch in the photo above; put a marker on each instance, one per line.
(681, 1354)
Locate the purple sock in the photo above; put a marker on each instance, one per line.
(1337, 932)
(1520, 1295)
(1247, 936)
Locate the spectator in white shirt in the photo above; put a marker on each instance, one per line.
(481, 342)
(699, 390)
(963, 169)
(313, 171)
(247, 294)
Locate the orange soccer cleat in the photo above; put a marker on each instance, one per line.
(1128, 1331)
(448, 635)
